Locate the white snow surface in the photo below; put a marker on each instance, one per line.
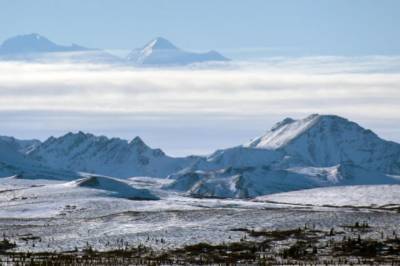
(44, 198)
(118, 188)
(362, 196)
(283, 132)
(68, 215)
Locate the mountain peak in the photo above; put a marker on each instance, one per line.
(282, 123)
(30, 36)
(34, 43)
(85, 152)
(79, 134)
(160, 43)
(283, 132)
(162, 52)
(137, 141)
(287, 130)
(323, 140)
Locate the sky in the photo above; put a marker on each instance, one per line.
(239, 29)
(290, 59)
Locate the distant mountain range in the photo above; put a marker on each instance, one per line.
(112, 157)
(317, 151)
(158, 52)
(35, 43)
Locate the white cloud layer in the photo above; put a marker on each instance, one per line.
(235, 101)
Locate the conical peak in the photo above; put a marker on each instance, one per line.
(160, 43)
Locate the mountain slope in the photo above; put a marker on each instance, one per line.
(115, 187)
(35, 47)
(250, 182)
(327, 140)
(22, 146)
(319, 150)
(14, 163)
(162, 52)
(112, 157)
(34, 43)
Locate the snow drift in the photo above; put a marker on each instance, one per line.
(116, 187)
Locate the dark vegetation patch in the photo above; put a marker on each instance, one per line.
(262, 247)
(5, 245)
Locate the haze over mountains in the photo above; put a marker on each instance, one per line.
(158, 52)
(35, 43)
(319, 150)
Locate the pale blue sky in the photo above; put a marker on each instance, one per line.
(236, 28)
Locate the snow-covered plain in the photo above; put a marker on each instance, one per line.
(65, 215)
(361, 196)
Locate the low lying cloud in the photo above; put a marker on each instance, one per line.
(57, 97)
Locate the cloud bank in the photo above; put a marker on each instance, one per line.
(199, 109)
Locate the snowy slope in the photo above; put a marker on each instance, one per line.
(162, 52)
(319, 150)
(48, 199)
(115, 187)
(15, 163)
(327, 140)
(22, 146)
(111, 157)
(366, 196)
(241, 182)
(249, 182)
(283, 132)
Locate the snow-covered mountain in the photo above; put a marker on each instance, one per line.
(14, 162)
(107, 156)
(160, 51)
(34, 43)
(319, 150)
(22, 146)
(327, 140)
(35, 47)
